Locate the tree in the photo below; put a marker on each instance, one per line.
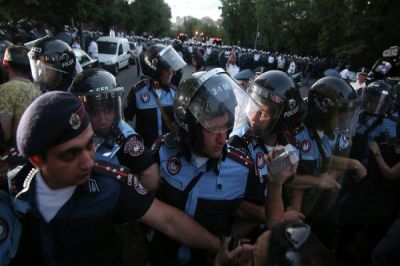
(239, 21)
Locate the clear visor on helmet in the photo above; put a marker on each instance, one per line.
(171, 58)
(219, 103)
(375, 102)
(104, 109)
(263, 118)
(46, 71)
(348, 118)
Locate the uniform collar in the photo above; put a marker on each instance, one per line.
(156, 85)
(213, 164)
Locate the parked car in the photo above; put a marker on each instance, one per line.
(114, 53)
(85, 60)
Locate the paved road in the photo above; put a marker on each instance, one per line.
(128, 77)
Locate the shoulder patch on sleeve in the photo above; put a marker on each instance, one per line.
(134, 146)
(239, 156)
(120, 174)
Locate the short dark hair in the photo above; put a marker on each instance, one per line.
(16, 57)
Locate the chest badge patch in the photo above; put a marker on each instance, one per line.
(134, 146)
(174, 165)
(138, 186)
(145, 97)
(260, 162)
(305, 146)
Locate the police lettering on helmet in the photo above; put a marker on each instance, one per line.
(279, 100)
(52, 64)
(101, 95)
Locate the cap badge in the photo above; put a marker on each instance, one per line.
(74, 121)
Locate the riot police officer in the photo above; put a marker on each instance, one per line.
(151, 99)
(330, 100)
(116, 142)
(280, 107)
(201, 175)
(369, 207)
(52, 64)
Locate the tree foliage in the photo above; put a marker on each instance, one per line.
(204, 28)
(356, 30)
(138, 16)
(239, 21)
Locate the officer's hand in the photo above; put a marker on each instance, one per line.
(282, 176)
(328, 181)
(359, 169)
(374, 147)
(225, 256)
(293, 216)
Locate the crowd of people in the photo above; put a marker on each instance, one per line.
(226, 167)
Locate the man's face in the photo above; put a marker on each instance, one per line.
(260, 119)
(214, 142)
(166, 76)
(102, 121)
(69, 163)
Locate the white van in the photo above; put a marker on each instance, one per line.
(114, 53)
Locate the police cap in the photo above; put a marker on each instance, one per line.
(244, 75)
(51, 119)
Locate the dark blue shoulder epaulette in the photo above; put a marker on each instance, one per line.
(239, 156)
(172, 87)
(170, 140)
(118, 173)
(239, 143)
(12, 156)
(139, 85)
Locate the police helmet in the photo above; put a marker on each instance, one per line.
(102, 98)
(201, 98)
(376, 98)
(330, 97)
(177, 44)
(159, 57)
(52, 64)
(276, 90)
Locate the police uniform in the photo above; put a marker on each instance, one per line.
(10, 227)
(142, 102)
(81, 231)
(313, 160)
(380, 196)
(126, 149)
(209, 193)
(369, 128)
(256, 150)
